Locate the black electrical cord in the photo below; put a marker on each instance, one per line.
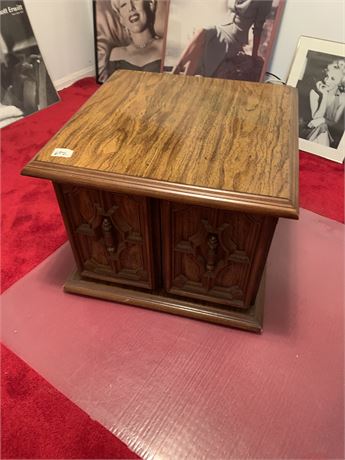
(275, 76)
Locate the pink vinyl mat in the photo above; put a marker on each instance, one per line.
(172, 387)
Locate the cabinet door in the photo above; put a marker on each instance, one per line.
(109, 233)
(214, 255)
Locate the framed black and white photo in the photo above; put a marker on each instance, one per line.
(26, 86)
(129, 35)
(229, 39)
(318, 73)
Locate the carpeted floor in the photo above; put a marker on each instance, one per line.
(40, 422)
(29, 210)
(37, 420)
(175, 388)
(322, 186)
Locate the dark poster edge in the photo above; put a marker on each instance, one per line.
(94, 11)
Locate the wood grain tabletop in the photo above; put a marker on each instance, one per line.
(223, 135)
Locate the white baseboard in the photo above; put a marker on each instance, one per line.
(68, 80)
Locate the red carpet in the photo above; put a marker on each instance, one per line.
(39, 422)
(29, 208)
(31, 230)
(322, 186)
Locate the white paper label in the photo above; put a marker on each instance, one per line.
(66, 153)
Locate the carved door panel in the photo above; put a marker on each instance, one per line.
(210, 254)
(110, 235)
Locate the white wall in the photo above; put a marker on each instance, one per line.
(314, 18)
(64, 31)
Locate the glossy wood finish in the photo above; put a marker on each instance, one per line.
(218, 142)
(178, 192)
(174, 189)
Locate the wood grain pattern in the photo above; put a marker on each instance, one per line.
(174, 189)
(213, 255)
(176, 252)
(110, 234)
(214, 134)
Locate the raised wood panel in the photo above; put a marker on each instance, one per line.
(111, 235)
(212, 255)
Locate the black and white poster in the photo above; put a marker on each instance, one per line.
(229, 39)
(318, 73)
(129, 34)
(25, 84)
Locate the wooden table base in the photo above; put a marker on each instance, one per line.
(250, 319)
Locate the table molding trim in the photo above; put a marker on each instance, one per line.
(224, 199)
(250, 319)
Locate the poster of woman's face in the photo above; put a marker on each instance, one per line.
(129, 35)
(318, 72)
(229, 39)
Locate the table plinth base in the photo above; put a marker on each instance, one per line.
(250, 319)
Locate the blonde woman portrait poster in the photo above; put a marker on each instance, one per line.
(129, 35)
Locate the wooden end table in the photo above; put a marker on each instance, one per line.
(173, 191)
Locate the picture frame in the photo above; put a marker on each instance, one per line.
(122, 42)
(318, 73)
(231, 39)
(26, 86)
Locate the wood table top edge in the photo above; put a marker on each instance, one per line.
(224, 199)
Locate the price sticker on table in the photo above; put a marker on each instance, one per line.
(64, 153)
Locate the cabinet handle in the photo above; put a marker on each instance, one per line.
(108, 235)
(212, 243)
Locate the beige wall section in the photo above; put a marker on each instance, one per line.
(323, 19)
(64, 31)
